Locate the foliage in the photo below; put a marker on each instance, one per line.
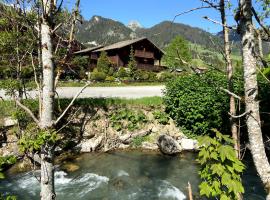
(135, 119)
(110, 79)
(142, 75)
(197, 104)
(11, 86)
(166, 76)
(132, 64)
(34, 138)
(103, 63)
(6, 161)
(220, 168)
(177, 50)
(97, 75)
(122, 72)
(80, 66)
(137, 141)
(162, 117)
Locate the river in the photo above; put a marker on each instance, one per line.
(125, 176)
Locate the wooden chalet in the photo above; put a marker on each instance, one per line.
(147, 54)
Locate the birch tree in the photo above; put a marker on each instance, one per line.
(46, 13)
(247, 31)
(229, 69)
(48, 92)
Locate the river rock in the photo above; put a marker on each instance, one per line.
(70, 167)
(91, 144)
(189, 144)
(168, 145)
(9, 122)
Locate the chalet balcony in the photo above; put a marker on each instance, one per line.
(143, 54)
(94, 56)
(148, 67)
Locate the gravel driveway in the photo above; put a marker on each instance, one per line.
(129, 92)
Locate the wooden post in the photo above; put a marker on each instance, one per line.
(189, 192)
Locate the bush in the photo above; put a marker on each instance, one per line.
(122, 73)
(103, 63)
(142, 75)
(110, 79)
(97, 76)
(166, 76)
(197, 104)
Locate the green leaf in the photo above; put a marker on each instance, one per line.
(205, 189)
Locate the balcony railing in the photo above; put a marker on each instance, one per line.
(144, 54)
(94, 56)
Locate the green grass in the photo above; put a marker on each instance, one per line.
(8, 107)
(105, 102)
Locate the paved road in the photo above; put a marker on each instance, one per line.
(129, 92)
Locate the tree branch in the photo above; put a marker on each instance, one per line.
(211, 4)
(191, 10)
(230, 93)
(239, 116)
(28, 111)
(267, 31)
(57, 27)
(71, 103)
(219, 23)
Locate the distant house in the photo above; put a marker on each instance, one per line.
(147, 54)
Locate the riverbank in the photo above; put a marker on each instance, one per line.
(103, 125)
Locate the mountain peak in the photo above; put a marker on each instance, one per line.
(134, 25)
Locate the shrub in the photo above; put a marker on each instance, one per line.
(110, 79)
(103, 63)
(122, 73)
(142, 75)
(97, 75)
(197, 104)
(166, 76)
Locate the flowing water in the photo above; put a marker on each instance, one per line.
(124, 176)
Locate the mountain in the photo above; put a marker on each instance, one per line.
(102, 31)
(134, 25)
(164, 32)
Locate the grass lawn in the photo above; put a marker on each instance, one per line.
(8, 107)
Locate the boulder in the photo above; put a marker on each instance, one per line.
(189, 144)
(168, 145)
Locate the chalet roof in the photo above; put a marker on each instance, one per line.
(88, 49)
(121, 44)
(117, 45)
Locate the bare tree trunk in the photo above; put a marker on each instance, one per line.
(227, 52)
(46, 120)
(251, 94)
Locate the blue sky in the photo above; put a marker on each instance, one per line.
(150, 12)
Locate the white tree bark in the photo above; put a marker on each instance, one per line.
(251, 94)
(46, 117)
(227, 53)
(48, 77)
